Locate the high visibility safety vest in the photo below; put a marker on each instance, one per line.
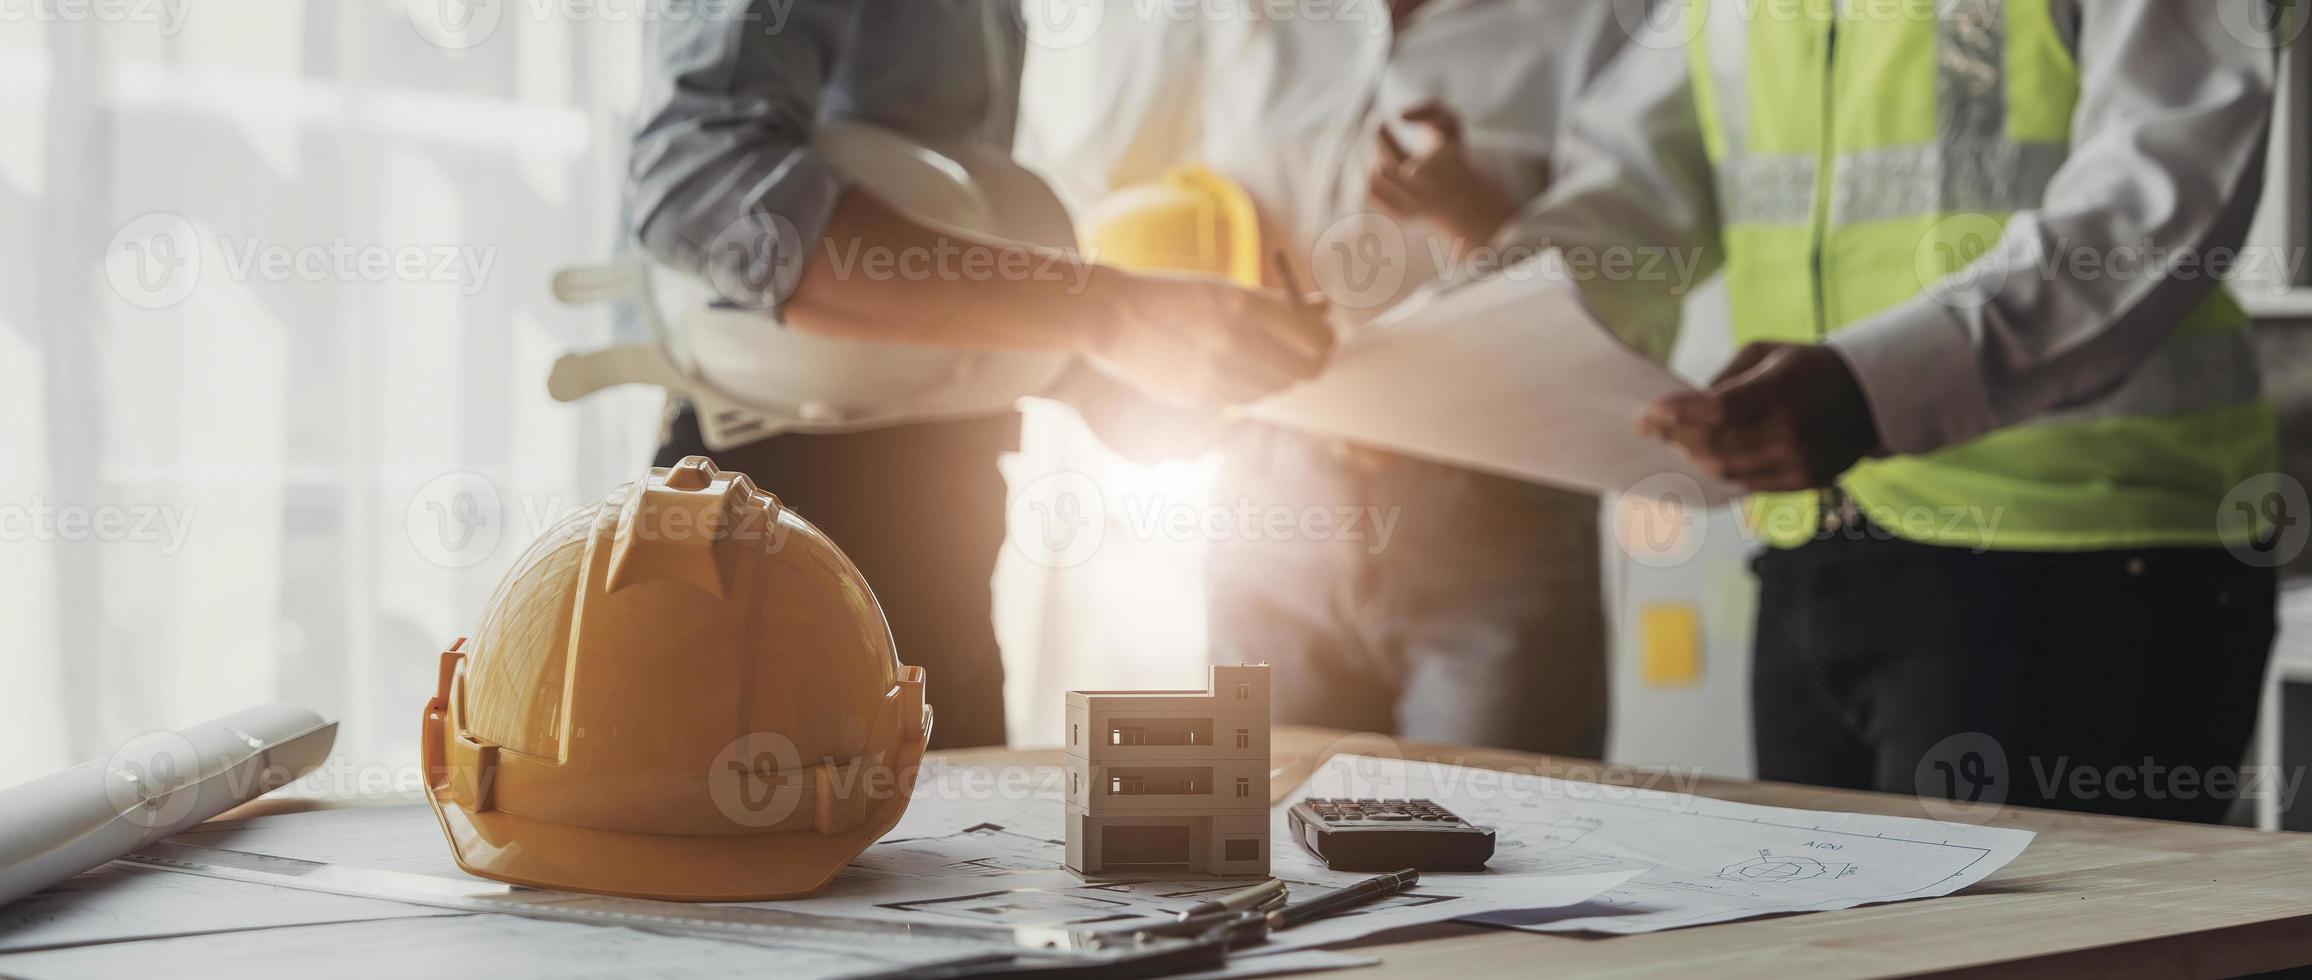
(1866, 152)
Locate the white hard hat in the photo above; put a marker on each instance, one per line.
(750, 376)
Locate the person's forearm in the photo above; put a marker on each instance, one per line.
(2165, 169)
(879, 274)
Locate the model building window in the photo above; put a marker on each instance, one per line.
(1075, 783)
(1244, 786)
(1244, 738)
(1244, 690)
(1075, 732)
(1161, 781)
(1240, 849)
(1160, 731)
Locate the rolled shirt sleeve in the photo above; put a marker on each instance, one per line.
(2166, 167)
(731, 141)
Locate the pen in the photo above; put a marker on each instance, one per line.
(1342, 898)
(1256, 897)
(1291, 282)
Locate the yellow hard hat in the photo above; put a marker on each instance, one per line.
(1189, 220)
(684, 691)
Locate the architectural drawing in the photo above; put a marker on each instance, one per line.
(1782, 869)
(1170, 782)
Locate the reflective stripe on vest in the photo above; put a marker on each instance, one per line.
(1864, 149)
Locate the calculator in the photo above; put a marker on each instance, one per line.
(1386, 835)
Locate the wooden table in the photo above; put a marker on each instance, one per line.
(2092, 896)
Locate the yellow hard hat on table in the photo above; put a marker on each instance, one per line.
(684, 691)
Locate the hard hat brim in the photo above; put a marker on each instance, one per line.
(520, 850)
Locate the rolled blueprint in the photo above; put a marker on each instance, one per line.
(155, 785)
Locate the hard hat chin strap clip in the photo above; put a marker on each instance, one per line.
(464, 770)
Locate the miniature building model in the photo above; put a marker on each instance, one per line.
(1165, 782)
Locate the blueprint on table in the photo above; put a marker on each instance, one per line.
(1704, 860)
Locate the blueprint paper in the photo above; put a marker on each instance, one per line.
(153, 785)
(1009, 821)
(979, 844)
(457, 946)
(115, 904)
(1510, 376)
(1704, 860)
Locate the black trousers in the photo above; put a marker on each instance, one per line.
(920, 509)
(2120, 682)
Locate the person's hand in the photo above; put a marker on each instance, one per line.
(1440, 183)
(1204, 342)
(1781, 417)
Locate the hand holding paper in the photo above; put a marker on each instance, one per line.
(1780, 417)
(1509, 376)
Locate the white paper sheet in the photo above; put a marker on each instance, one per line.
(1511, 376)
(1705, 860)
